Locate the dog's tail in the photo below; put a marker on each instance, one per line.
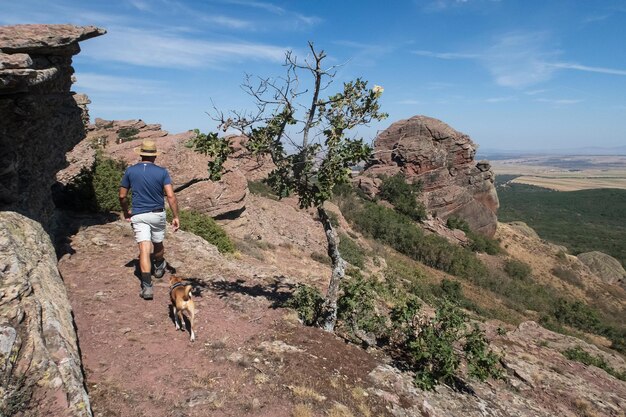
(188, 289)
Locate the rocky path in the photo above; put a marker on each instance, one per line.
(248, 358)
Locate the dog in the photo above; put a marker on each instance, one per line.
(180, 295)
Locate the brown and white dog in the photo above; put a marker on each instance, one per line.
(180, 294)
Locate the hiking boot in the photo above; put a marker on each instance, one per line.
(147, 292)
(159, 270)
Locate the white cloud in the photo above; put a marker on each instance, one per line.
(228, 22)
(500, 99)
(154, 49)
(601, 70)
(86, 81)
(447, 55)
(559, 101)
(410, 102)
(520, 60)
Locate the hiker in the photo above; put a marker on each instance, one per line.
(148, 182)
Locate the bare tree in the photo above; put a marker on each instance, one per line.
(308, 143)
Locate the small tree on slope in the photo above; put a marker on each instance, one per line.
(320, 152)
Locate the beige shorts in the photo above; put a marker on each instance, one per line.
(149, 227)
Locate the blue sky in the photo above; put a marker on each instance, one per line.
(524, 74)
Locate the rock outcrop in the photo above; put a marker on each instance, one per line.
(41, 118)
(604, 266)
(429, 151)
(41, 121)
(220, 199)
(39, 357)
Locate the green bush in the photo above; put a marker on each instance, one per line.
(577, 314)
(205, 227)
(262, 189)
(94, 189)
(351, 251)
(307, 301)
(402, 234)
(580, 355)
(433, 354)
(567, 275)
(107, 175)
(126, 134)
(478, 243)
(357, 305)
(403, 196)
(517, 269)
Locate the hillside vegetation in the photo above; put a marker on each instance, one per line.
(582, 221)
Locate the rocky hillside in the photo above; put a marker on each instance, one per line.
(253, 356)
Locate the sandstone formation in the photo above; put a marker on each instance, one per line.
(429, 151)
(220, 199)
(604, 266)
(39, 357)
(40, 116)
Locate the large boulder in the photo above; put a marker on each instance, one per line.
(39, 359)
(429, 151)
(609, 269)
(41, 118)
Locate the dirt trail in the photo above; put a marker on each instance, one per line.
(248, 359)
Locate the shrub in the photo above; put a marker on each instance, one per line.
(94, 189)
(580, 355)
(107, 175)
(478, 243)
(205, 227)
(517, 269)
(307, 301)
(126, 134)
(567, 275)
(399, 232)
(432, 352)
(577, 314)
(403, 196)
(262, 189)
(357, 306)
(351, 251)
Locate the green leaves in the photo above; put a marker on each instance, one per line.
(217, 148)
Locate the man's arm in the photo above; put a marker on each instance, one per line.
(173, 203)
(124, 202)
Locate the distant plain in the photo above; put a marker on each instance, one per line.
(565, 173)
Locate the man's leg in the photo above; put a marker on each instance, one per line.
(159, 261)
(144, 265)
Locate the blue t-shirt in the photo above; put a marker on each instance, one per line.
(146, 181)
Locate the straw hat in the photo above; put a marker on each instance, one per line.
(147, 148)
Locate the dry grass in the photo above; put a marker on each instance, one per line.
(340, 410)
(584, 409)
(307, 393)
(302, 410)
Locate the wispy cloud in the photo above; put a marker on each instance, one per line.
(500, 99)
(154, 49)
(228, 22)
(559, 101)
(520, 60)
(447, 55)
(86, 81)
(534, 92)
(443, 5)
(410, 102)
(601, 70)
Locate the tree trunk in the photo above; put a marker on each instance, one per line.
(328, 317)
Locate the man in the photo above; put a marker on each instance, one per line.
(148, 183)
